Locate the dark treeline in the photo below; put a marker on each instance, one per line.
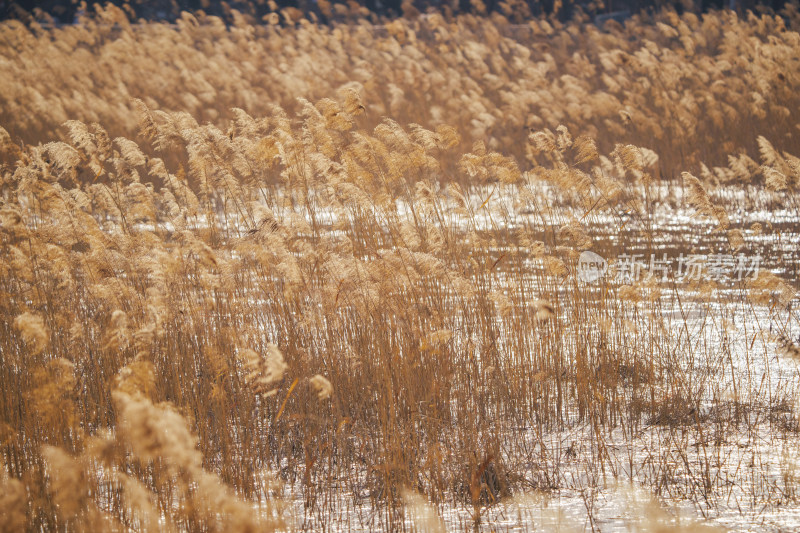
(68, 11)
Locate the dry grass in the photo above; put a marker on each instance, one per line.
(227, 273)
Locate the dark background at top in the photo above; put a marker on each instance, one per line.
(65, 11)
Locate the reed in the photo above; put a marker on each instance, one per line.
(329, 279)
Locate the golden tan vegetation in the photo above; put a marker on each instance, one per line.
(240, 263)
(697, 88)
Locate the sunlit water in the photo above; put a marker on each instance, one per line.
(736, 463)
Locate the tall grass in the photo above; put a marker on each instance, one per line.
(229, 278)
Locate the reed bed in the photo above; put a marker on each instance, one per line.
(326, 277)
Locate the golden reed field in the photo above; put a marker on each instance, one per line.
(420, 274)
